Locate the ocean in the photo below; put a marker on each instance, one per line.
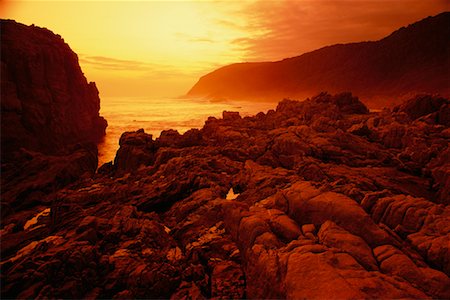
(155, 115)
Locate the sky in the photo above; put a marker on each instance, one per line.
(161, 48)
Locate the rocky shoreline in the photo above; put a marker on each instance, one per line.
(331, 201)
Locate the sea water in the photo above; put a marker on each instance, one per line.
(155, 115)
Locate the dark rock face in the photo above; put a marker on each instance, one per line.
(409, 61)
(424, 105)
(136, 148)
(46, 102)
(332, 202)
(30, 176)
(49, 118)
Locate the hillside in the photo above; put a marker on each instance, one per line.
(411, 60)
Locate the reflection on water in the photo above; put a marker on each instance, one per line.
(231, 195)
(154, 115)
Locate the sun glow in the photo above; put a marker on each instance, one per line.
(163, 44)
(161, 48)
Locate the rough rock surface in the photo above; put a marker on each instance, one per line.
(49, 119)
(333, 201)
(46, 102)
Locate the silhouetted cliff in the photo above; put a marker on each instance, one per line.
(411, 60)
(46, 102)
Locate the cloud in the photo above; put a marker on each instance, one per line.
(229, 24)
(280, 29)
(191, 38)
(108, 63)
(201, 40)
(114, 64)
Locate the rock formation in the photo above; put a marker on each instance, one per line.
(409, 61)
(333, 201)
(49, 118)
(46, 102)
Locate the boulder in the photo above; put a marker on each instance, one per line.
(230, 115)
(422, 105)
(136, 148)
(332, 235)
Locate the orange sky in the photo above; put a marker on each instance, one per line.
(161, 48)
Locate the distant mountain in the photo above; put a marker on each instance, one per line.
(411, 60)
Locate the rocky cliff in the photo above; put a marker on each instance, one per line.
(317, 199)
(46, 102)
(415, 59)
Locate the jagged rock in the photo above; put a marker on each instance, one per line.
(231, 115)
(106, 168)
(227, 281)
(168, 138)
(283, 226)
(190, 138)
(188, 291)
(360, 129)
(324, 105)
(338, 275)
(332, 235)
(394, 262)
(32, 175)
(47, 103)
(323, 211)
(308, 205)
(440, 170)
(422, 105)
(50, 117)
(136, 148)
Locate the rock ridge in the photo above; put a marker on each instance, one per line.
(332, 201)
